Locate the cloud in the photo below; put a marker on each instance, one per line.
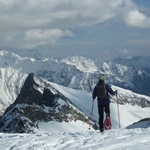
(55, 13)
(137, 19)
(141, 42)
(40, 37)
(33, 14)
(30, 23)
(33, 38)
(46, 34)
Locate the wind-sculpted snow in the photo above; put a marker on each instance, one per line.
(138, 139)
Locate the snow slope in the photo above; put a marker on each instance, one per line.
(128, 113)
(118, 139)
(11, 81)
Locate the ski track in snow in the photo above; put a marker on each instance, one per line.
(116, 139)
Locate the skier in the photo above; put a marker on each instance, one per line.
(101, 91)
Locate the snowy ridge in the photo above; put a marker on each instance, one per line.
(130, 110)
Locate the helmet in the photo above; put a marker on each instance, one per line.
(101, 78)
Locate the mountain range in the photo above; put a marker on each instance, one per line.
(39, 90)
(82, 73)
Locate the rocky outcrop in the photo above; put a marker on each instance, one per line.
(38, 101)
(33, 92)
(144, 123)
(30, 94)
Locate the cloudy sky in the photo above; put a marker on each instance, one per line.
(90, 28)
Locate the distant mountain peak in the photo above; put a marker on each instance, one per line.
(81, 63)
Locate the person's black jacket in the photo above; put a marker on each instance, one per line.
(101, 101)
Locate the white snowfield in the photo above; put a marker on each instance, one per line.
(116, 139)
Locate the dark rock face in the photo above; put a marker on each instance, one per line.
(29, 93)
(48, 98)
(38, 101)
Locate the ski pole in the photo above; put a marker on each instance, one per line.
(91, 112)
(118, 110)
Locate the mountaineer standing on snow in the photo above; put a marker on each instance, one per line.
(101, 91)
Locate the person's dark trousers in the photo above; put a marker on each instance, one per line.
(101, 109)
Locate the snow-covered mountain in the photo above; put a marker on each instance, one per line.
(45, 119)
(74, 72)
(78, 72)
(142, 62)
(141, 76)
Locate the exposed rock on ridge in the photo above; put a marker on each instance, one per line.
(38, 102)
